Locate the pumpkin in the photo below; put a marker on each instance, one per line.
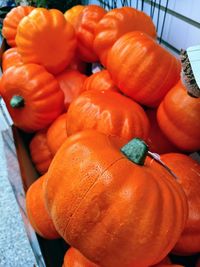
(78, 64)
(37, 212)
(57, 133)
(72, 14)
(99, 81)
(32, 96)
(116, 23)
(10, 58)
(178, 118)
(40, 152)
(102, 202)
(71, 83)
(11, 22)
(45, 37)
(157, 141)
(142, 69)
(188, 172)
(108, 112)
(85, 30)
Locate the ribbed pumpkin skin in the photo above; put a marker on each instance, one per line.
(43, 99)
(37, 212)
(72, 14)
(85, 31)
(188, 173)
(107, 112)
(40, 152)
(107, 205)
(11, 22)
(142, 69)
(179, 118)
(10, 58)
(99, 81)
(57, 133)
(45, 37)
(116, 23)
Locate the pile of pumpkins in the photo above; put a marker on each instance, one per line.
(101, 189)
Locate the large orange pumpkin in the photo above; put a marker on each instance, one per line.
(11, 22)
(179, 118)
(116, 23)
(102, 202)
(10, 58)
(142, 69)
(32, 95)
(72, 15)
(188, 172)
(108, 112)
(45, 37)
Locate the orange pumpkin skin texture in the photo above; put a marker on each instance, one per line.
(40, 152)
(10, 58)
(100, 203)
(107, 112)
(188, 173)
(72, 15)
(71, 83)
(57, 133)
(11, 22)
(37, 212)
(85, 31)
(180, 120)
(99, 81)
(43, 101)
(142, 69)
(116, 23)
(45, 37)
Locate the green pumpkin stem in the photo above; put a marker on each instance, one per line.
(17, 101)
(136, 151)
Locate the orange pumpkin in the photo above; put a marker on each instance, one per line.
(71, 83)
(85, 30)
(109, 113)
(142, 69)
(116, 23)
(40, 152)
(32, 96)
(37, 212)
(102, 202)
(99, 81)
(57, 133)
(10, 58)
(11, 22)
(178, 118)
(45, 37)
(72, 15)
(188, 172)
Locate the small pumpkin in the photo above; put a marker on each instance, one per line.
(178, 118)
(102, 202)
(99, 81)
(57, 133)
(40, 152)
(37, 212)
(142, 69)
(108, 112)
(188, 172)
(116, 23)
(71, 83)
(10, 58)
(11, 22)
(45, 37)
(72, 15)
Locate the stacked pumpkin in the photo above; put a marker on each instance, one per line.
(101, 190)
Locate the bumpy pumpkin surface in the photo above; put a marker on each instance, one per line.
(72, 14)
(102, 202)
(45, 37)
(116, 23)
(142, 69)
(11, 22)
(188, 172)
(37, 212)
(108, 112)
(32, 95)
(178, 118)
(10, 58)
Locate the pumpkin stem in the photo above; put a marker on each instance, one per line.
(17, 101)
(136, 151)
